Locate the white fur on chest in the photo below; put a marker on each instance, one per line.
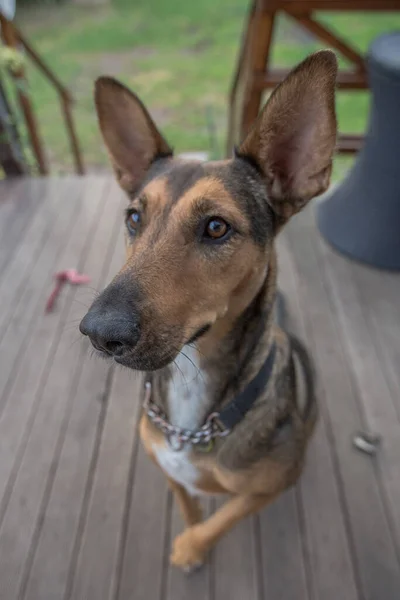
(187, 408)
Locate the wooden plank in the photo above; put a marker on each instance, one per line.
(373, 391)
(330, 561)
(27, 256)
(348, 144)
(15, 216)
(96, 572)
(27, 494)
(382, 312)
(327, 547)
(377, 566)
(338, 5)
(17, 331)
(283, 570)
(239, 83)
(9, 190)
(17, 327)
(260, 40)
(52, 556)
(235, 562)
(346, 80)
(145, 555)
(7, 187)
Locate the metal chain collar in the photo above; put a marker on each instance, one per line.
(177, 437)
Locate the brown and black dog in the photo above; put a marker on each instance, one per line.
(193, 306)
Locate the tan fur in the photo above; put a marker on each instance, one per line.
(263, 476)
(191, 547)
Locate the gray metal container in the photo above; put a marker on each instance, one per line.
(361, 217)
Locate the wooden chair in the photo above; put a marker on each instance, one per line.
(253, 74)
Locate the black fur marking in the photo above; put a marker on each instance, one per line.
(159, 166)
(240, 178)
(181, 178)
(202, 331)
(247, 189)
(250, 160)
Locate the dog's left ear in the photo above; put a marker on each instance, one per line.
(293, 140)
(131, 137)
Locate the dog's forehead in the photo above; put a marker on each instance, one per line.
(225, 181)
(175, 179)
(184, 176)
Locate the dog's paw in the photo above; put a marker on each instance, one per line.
(187, 553)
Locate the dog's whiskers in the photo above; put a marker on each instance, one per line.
(75, 341)
(81, 303)
(181, 372)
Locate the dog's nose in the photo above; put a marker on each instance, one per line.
(111, 332)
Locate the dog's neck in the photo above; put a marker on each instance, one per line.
(208, 375)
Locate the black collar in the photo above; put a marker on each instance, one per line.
(218, 424)
(237, 409)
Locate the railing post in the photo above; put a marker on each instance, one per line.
(65, 98)
(10, 39)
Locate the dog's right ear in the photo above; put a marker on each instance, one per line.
(131, 137)
(293, 140)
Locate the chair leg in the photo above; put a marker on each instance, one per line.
(245, 98)
(260, 54)
(236, 97)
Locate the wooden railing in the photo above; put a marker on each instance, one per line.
(13, 38)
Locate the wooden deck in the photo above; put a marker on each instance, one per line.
(85, 516)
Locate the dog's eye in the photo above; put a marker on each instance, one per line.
(133, 220)
(216, 228)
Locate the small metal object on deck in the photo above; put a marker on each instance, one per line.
(367, 442)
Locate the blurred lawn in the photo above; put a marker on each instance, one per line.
(178, 56)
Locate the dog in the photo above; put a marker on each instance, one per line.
(229, 397)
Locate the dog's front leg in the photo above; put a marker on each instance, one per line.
(190, 507)
(190, 548)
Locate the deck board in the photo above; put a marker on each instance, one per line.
(328, 549)
(381, 312)
(236, 553)
(18, 323)
(29, 494)
(364, 510)
(143, 566)
(97, 568)
(84, 514)
(20, 267)
(28, 331)
(26, 196)
(282, 555)
(62, 513)
(375, 395)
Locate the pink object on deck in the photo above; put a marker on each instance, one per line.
(68, 276)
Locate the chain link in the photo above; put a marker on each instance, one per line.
(210, 430)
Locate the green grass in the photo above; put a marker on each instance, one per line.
(178, 56)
